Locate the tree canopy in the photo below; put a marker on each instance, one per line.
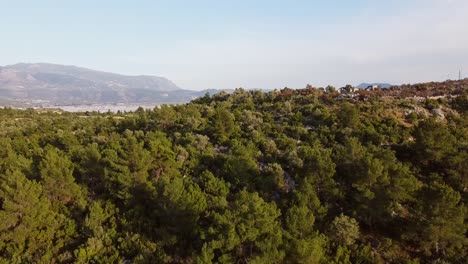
(287, 176)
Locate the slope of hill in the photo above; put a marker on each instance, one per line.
(288, 176)
(60, 84)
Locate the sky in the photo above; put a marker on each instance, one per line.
(222, 44)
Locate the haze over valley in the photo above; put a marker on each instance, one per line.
(47, 85)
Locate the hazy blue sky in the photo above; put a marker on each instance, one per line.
(243, 43)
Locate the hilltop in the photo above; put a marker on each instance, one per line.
(287, 176)
(54, 84)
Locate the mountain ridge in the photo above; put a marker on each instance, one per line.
(61, 67)
(68, 84)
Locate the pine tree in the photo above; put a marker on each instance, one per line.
(30, 229)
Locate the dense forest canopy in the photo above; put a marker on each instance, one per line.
(288, 176)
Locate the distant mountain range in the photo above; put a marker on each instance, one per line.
(45, 84)
(53, 84)
(381, 85)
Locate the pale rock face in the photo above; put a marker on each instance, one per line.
(438, 113)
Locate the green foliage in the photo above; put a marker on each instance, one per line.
(433, 141)
(288, 176)
(247, 229)
(100, 231)
(348, 115)
(223, 124)
(344, 230)
(439, 222)
(57, 180)
(30, 230)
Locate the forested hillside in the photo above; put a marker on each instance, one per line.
(289, 176)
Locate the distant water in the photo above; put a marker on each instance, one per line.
(104, 107)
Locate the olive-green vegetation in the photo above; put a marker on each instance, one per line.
(290, 176)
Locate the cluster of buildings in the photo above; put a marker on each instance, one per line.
(349, 91)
